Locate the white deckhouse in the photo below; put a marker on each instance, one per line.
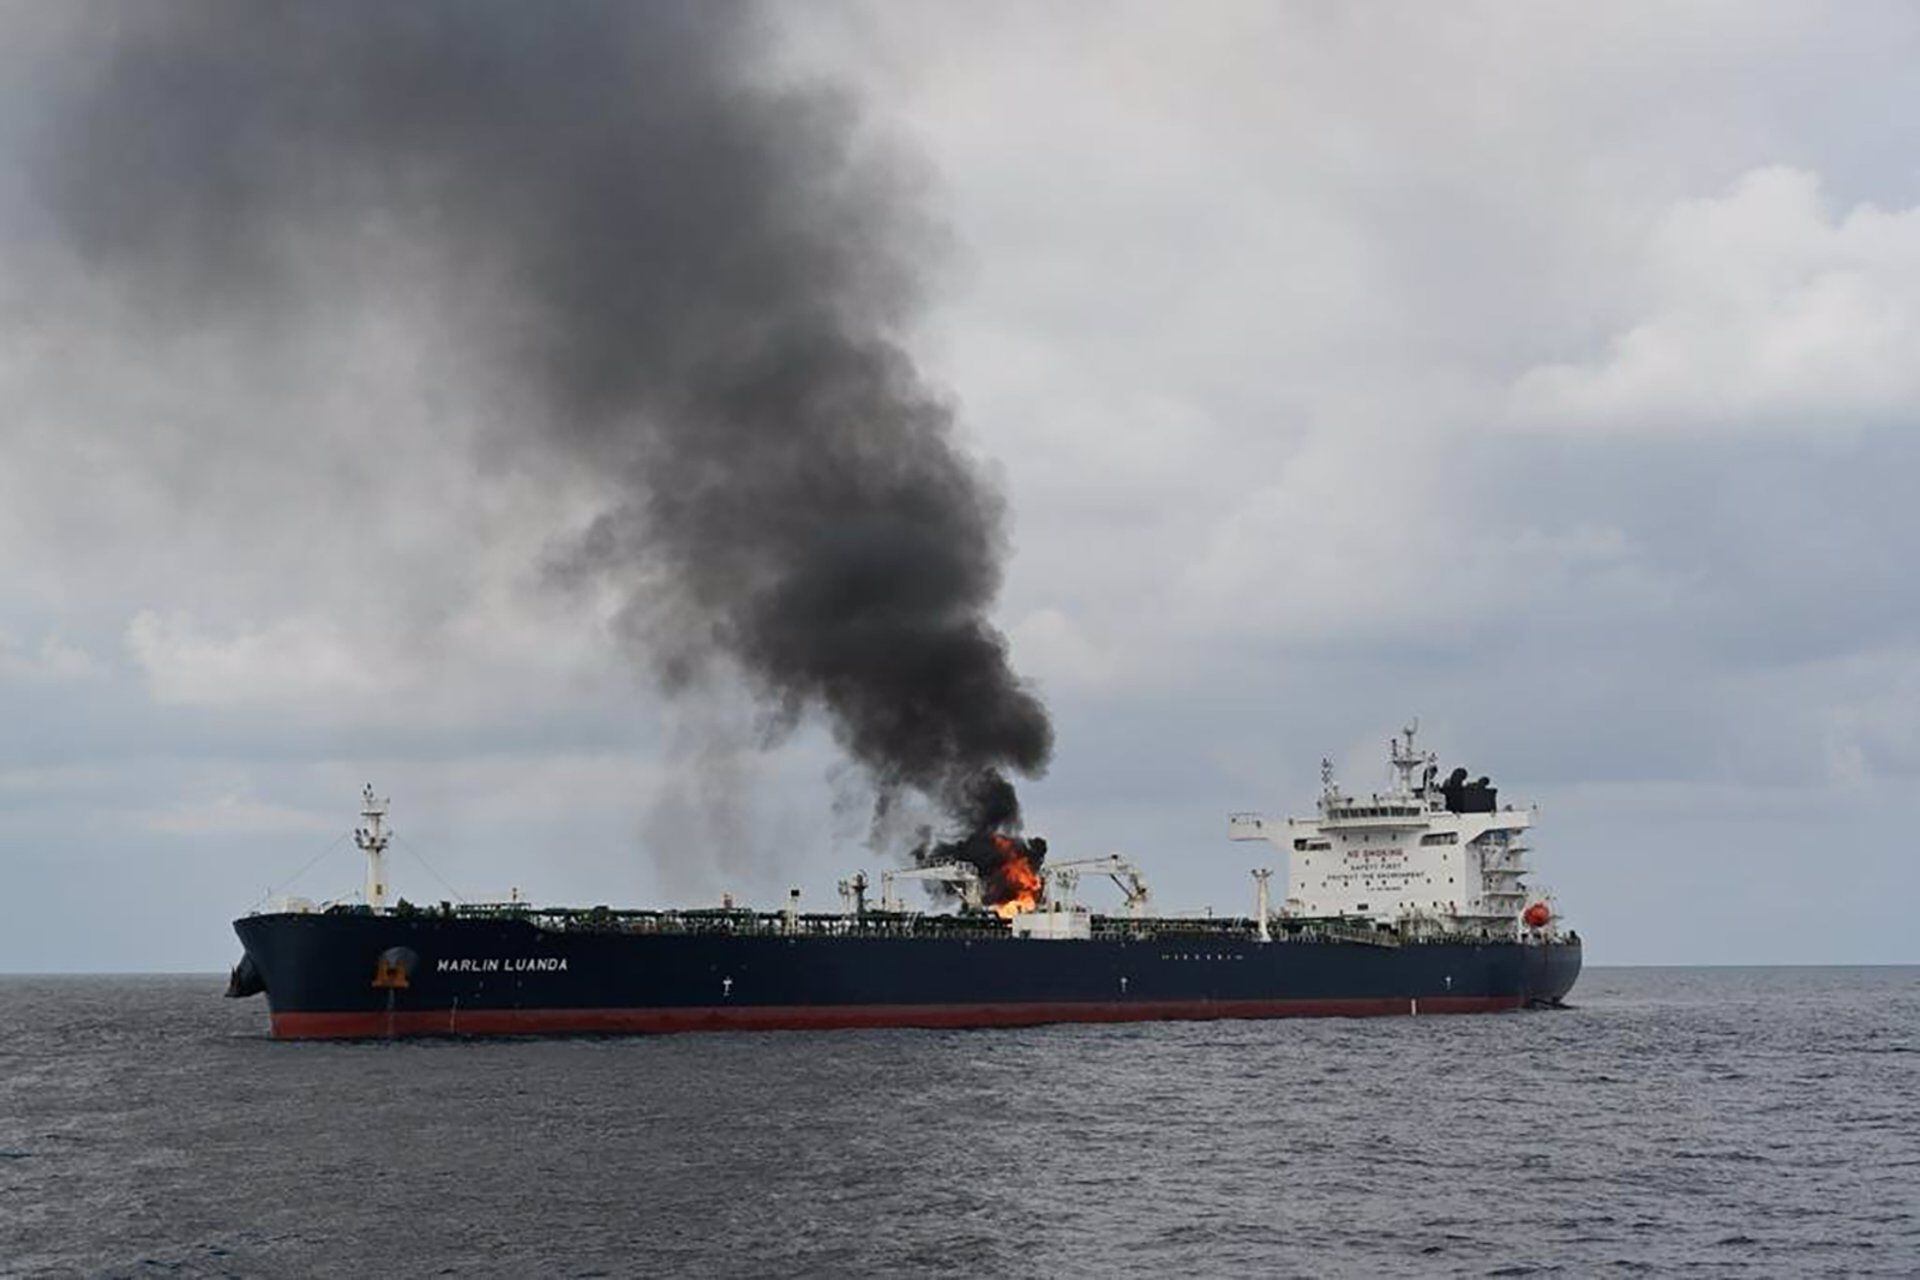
(1422, 855)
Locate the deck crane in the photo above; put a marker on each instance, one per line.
(1116, 868)
(957, 875)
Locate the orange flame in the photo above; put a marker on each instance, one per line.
(1013, 883)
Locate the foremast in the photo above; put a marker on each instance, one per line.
(372, 839)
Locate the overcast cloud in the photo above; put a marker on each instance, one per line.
(1547, 372)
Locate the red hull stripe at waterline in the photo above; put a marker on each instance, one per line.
(534, 1022)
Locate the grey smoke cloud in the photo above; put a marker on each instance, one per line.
(698, 278)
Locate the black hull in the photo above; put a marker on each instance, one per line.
(361, 975)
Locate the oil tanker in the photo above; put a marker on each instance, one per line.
(1409, 900)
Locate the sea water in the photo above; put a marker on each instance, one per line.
(1745, 1121)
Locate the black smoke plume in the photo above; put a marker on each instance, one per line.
(702, 276)
(1006, 864)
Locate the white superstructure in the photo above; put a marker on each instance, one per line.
(1420, 853)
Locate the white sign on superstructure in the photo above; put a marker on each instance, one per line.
(1423, 851)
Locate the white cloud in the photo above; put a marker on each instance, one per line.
(53, 780)
(1872, 716)
(293, 663)
(1762, 309)
(1380, 536)
(235, 815)
(53, 660)
(1057, 650)
(495, 656)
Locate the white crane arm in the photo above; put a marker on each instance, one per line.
(953, 873)
(1122, 872)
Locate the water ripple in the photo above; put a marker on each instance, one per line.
(1742, 1121)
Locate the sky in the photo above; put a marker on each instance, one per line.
(1549, 373)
